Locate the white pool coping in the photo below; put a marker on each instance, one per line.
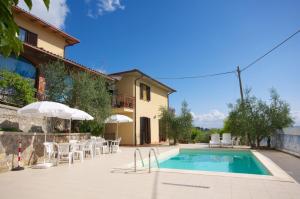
(277, 174)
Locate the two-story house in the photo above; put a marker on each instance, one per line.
(139, 97)
(136, 94)
(42, 43)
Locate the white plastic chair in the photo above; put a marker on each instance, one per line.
(49, 150)
(226, 140)
(236, 140)
(99, 144)
(64, 152)
(115, 145)
(73, 141)
(105, 146)
(77, 150)
(214, 140)
(88, 147)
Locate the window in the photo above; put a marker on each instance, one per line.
(145, 92)
(22, 34)
(28, 37)
(18, 65)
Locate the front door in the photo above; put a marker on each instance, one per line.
(145, 131)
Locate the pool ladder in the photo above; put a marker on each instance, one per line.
(157, 163)
(149, 155)
(138, 150)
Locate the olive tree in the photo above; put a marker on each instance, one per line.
(57, 81)
(256, 119)
(178, 127)
(80, 90)
(89, 93)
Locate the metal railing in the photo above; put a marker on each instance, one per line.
(152, 150)
(137, 149)
(123, 101)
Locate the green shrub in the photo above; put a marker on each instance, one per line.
(198, 135)
(17, 89)
(10, 129)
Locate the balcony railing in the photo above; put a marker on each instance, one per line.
(123, 101)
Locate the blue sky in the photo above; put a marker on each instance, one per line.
(173, 38)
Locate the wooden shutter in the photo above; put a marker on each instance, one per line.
(31, 38)
(141, 91)
(148, 93)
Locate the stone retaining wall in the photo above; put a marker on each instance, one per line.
(10, 119)
(32, 146)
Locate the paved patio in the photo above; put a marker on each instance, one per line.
(94, 179)
(288, 163)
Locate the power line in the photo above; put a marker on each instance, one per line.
(199, 76)
(234, 71)
(274, 48)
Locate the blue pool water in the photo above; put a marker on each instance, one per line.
(233, 161)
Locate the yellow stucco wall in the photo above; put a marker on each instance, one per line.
(151, 109)
(46, 39)
(126, 85)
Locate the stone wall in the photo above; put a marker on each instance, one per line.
(32, 146)
(10, 119)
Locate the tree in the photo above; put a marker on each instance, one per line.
(257, 119)
(89, 93)
(9, 29)
(199, 135)
(179, 127)
(58, 82)
(279, 114)
(18, 89)
(80, 90)
(185, 121)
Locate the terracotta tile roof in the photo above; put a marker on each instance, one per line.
(144, 75)
(69, 61)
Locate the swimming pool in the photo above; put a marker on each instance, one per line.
(217, 160)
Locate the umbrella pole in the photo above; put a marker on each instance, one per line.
(45, 122)
(70, 129)
(117, 130)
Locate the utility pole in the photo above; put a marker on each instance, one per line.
(242, 98)
(240, 81)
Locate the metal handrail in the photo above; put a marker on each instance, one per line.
(152, 149)
(137, 149)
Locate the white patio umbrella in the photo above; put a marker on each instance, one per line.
(116, 119)
(79, 115)
(45, 109)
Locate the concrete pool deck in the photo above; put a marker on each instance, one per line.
(95, 179)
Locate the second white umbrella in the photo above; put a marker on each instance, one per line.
(116, 119)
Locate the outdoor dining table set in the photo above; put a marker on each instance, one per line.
(74, 149)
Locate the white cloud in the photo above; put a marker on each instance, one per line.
(103, 6)
(212, 119)
(56, 15)
(296, 117)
